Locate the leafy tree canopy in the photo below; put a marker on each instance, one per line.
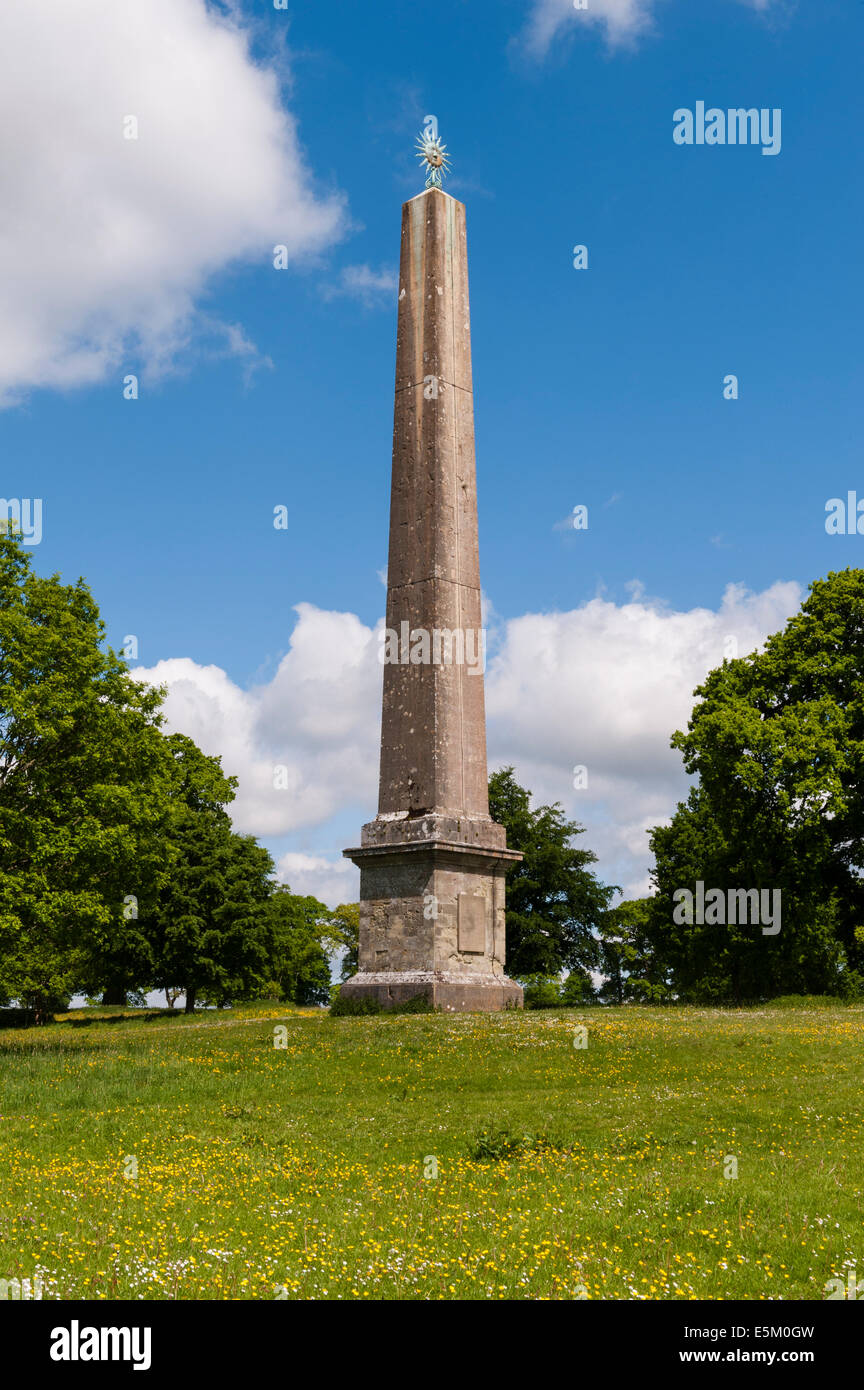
(301, 934)
(83, 799)
(777, 743)
(209, 927)
(553, 898)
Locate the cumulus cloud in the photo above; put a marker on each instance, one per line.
(602, 687)
(622, 21)
(108, 241)
(331, 881)
(305, 744)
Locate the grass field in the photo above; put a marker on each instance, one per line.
(308, 1171)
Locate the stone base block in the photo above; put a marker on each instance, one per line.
(447, 991)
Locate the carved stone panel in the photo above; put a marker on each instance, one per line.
(473, 914)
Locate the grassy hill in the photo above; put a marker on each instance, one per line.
(309, 1170)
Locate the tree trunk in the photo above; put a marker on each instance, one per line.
(114, 994)
(190, 999)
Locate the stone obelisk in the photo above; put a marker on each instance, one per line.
(432, 863)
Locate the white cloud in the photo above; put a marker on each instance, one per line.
(603, 686)
(331, 881)
(304, 744)
(622, 21)
(107, 241)
(370, 287)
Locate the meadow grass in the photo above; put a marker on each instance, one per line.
(194, 1159)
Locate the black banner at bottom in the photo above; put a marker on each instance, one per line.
(151, 1338)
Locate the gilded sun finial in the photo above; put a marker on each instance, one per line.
(432, 152)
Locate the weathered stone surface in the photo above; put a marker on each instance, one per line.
(432, 863)
(434, 332)
(433, 752)
(409, 897)
(404, 827)
(474, 921)
(480, 994)
(433, 747)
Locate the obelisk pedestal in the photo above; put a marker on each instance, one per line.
(432, 863)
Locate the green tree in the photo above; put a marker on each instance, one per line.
(541, 991)
(210, 928)
(777, 743)
(301, 932)
(628, 960)
(82, 794)
(345, 928)
(577, 989)
(554, 901)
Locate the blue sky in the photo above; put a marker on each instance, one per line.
(602, 386)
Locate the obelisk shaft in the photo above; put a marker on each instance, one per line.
(432, 863)
(433, 748)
